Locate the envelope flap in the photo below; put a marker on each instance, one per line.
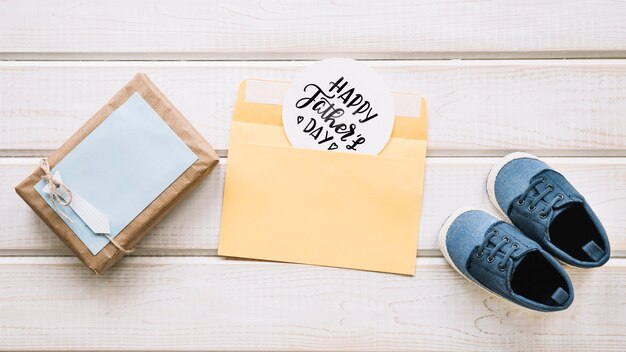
(260, 101)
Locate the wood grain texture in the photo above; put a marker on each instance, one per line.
(193, 227)
(174, 294)
(152, 303)
(475, 108)
(272, 29)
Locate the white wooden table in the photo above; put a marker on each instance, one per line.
(550, 79)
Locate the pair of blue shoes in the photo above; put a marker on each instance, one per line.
(551, 220)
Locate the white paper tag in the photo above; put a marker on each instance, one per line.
(339, 104)
(92, 217)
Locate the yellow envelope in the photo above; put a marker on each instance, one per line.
(289, 204)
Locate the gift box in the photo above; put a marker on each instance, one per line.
(119, 174)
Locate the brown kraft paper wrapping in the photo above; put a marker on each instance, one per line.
(151, 215)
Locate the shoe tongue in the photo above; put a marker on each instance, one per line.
(566, 203)
(560, 296)
(593, 251)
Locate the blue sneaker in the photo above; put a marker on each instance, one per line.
(499, 258)
(548, 209)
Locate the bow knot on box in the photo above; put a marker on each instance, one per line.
(58, 191)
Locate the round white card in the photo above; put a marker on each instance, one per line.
(339, 104)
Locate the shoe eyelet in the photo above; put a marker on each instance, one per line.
(520, 202)
(543, 179)
(515, 246)
(490, 259)
(506, 239)
(479, 254)
(543, 215)
(550, 188)
(560, 196)
(502, 268)
(531, 208)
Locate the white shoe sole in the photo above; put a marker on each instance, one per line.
(443, 233)
(495, 170)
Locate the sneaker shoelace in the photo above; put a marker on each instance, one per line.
(540, 196)
(491, 257)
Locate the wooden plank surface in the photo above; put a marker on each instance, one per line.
(271, 29)
(175, 294)
(475, 108)
(188, 303)
(193, 227)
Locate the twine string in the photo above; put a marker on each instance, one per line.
(117, 245)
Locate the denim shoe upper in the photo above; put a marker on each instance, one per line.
(548, 209)
(498, 257)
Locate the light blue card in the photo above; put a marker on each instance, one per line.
(121, 167)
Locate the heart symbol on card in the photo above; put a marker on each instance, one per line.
(300, 119)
